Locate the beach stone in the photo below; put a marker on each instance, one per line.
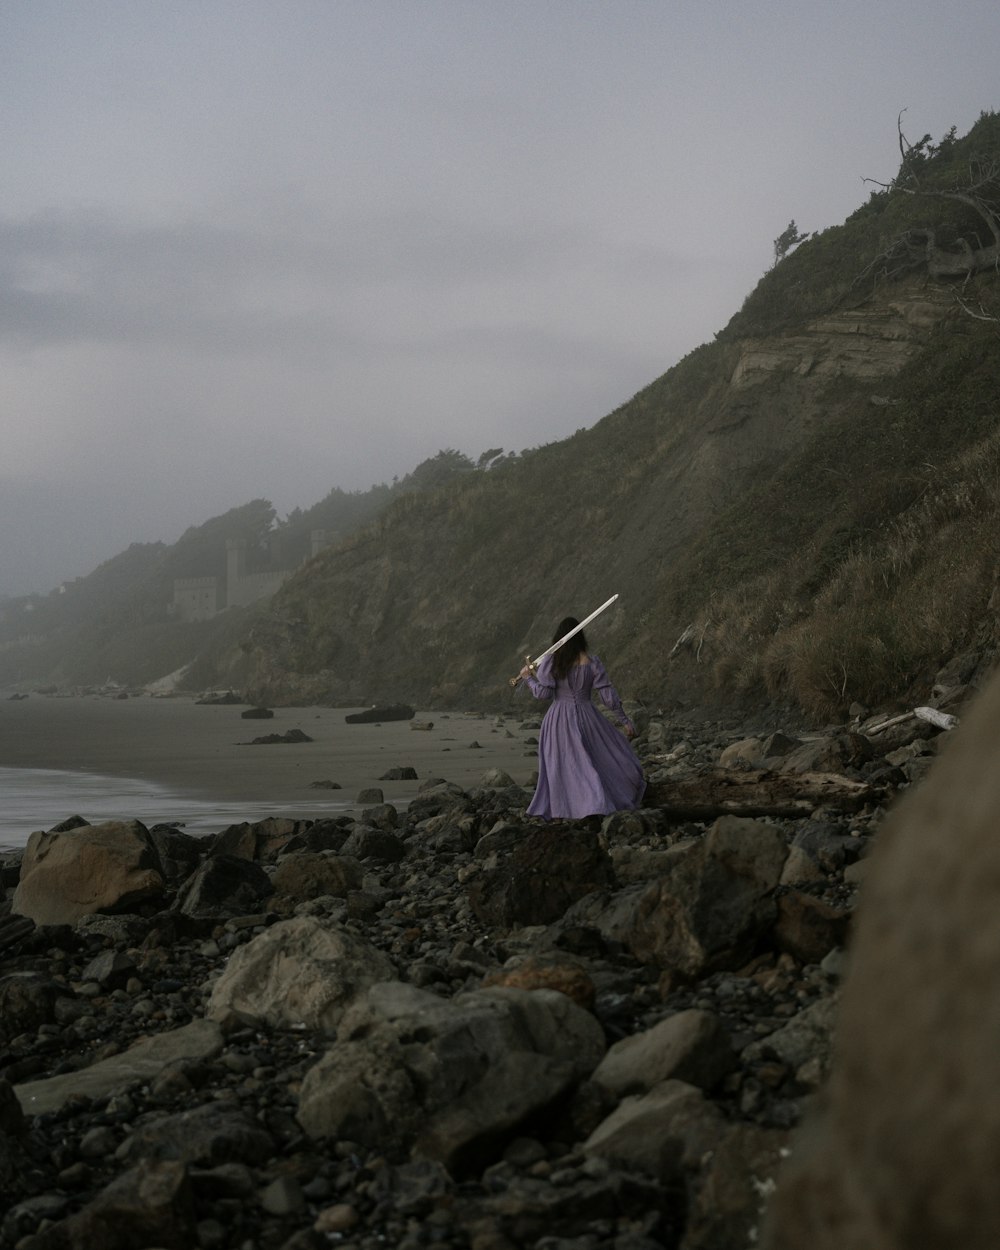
(200, 1040)
(548, 972)
(223, 885)
(822, 755)
(691, 1046)
(383, 816)
(378, 844)
(104, 867)
(180, 853)
(746, 752)
(324, 835)
(27, 1000)
(123, 930)
(308, 874)
(299, 971)
(807, 1037)
(399, 774)
(208, 1136)
(807, 927)
(150, 1205)
(496, 779)
(543, 875)
(447, 1077)
(262, 840)
(711, 909)
(800, 868)
(827, 843)
(110, 969)
(517, 1086)
(664, 1132)
(371, 796)
(778, 744)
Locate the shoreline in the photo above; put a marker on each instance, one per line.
(203, 751)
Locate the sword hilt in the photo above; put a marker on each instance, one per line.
(528, 661)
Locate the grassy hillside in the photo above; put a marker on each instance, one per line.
(814, 492)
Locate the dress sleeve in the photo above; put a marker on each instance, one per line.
(609, 695)
(542, 684)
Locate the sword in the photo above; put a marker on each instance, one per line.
(533, 663)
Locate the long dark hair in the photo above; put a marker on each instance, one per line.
(567, 655)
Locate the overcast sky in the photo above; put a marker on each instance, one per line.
(251, 248)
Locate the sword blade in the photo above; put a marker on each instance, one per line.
(575, 630)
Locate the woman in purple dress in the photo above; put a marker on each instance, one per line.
(585, 766)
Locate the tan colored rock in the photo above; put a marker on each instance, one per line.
(664, 1132)
(690, 1046)
(308, 874)
(196, 1041)
(800, 867)
(907, 1150)
(536, 972)
(746, 751)
(105, 867)
(299, 971)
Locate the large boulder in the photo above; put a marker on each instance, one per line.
(224, 885)
(306, 875)
(261, 840)
(150, 1205)
(299, 971)
(676, 1135)
(106, 867)
(906, 1149)
(691, 1046)
(548, 870)
(450, 1079)
(708, 910)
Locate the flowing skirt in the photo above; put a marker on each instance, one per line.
(586, 767)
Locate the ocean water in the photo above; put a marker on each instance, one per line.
(38, 798)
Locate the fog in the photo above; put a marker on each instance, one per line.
(250, 249)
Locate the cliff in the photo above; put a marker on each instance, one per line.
(810, 502)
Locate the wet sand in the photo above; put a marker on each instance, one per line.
(201, 750)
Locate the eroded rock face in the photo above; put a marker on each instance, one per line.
(861, 343)
(107, 867)
(907, 1151)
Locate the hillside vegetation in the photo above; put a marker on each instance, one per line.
(116, 623)
(803, 511)
(810, 500)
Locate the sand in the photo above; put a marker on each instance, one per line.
(200, 750)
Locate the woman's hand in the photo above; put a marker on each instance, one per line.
(628, 731)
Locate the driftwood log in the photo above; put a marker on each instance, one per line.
(759, 792)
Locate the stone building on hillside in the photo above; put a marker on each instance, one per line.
(201, 598)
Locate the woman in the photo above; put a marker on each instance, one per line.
(585, 767)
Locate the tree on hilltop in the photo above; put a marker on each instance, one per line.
(790, 237)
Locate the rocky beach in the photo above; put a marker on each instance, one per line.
(428, 1021)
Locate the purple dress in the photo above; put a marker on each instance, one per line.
(585, 766)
